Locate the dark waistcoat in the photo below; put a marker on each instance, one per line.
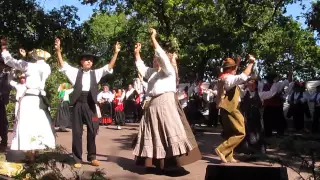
(78, 88)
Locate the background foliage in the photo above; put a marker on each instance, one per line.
(203, 32)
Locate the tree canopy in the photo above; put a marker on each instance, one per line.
(203, 32)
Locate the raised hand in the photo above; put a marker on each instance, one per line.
(22, 52)
(153, 32)
(117, 47)
(137, 48)
(57, 44)
(252, 59)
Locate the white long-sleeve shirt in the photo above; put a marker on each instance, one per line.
(36, 73)
(106, 96)
(72, 72)
(159, 81)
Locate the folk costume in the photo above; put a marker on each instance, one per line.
(20, 90)
(161, 139)
(105, 99)
(251, 106)
(315, 98)
(232, 120)
(33, 130)
(298, 108)
(63, 120)
(118, 109)
(273, 117)
(130, 107)
(85, 107)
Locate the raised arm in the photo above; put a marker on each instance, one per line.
(68, 70)
(108, 69)
(269, 94)
(163, 59)
(10, 61)
(142, 68)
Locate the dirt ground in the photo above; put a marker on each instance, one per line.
(117, 161)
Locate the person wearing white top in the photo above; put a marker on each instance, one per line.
(251, 105)
(161, 136)
(298, 101)
(228, 99)
(105, 99)
(33, 130)
(20, 90)
(84, 101)
(63, 115)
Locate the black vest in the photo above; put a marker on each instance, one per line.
(78, 87)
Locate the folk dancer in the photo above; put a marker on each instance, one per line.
(161, 138)
(130, 108)
(118, 109)
(63, 115)
(251, 106)
(315, 98)
(34, 130)
(299, 107)
(105, 99)
(84, 99)
(273, 117)
(232, 119)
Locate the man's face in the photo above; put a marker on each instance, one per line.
(86, 64)
(105, 88)
(130, 87)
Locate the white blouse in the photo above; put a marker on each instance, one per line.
(20, 88)
(162, 81)
(72, 72)
(36, 73)
(67, 93)
(105, 95)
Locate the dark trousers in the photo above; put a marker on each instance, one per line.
(82, 114)
(273, 118)
(3, 125)
(316, 117)
(298, 116)
(213, 114)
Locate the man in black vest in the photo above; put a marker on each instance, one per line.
(84, 101)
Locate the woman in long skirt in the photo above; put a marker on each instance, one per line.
(33, 131)
(118, 110)
(63, 115)
(162, 139)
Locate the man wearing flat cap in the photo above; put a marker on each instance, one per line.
(84, 100)
(228, 101)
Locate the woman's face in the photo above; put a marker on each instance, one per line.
(251, 85)
(113, 91)
(119, 91)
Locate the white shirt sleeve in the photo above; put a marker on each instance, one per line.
(20, 65)
(99, 97)
(164, 61)
(102, 72)
(269, 94)
(144, 70)
(234, 80)
(70, 72)
(13, 84)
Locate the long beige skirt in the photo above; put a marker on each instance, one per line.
(161, 133)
